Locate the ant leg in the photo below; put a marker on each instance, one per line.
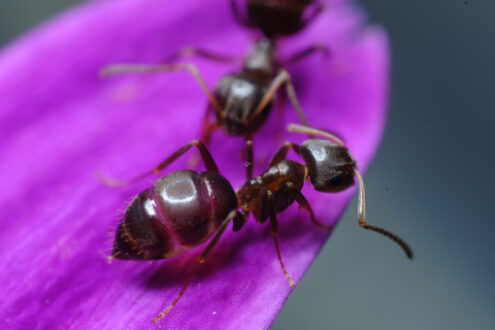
(190, 51)
(208, 127)
(362, 219)
(306, 52)
(282, 152)
(205, 155)
(249, 158)
(303, 203)
(205, 136)
(144, 68)
(296, 128)
(207, 131)
(281, 78)
(233, 214)
(237, 14)
(273, 222)
(240, 220)
(280, 103)
(318, 9)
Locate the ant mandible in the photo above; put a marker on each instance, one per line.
(277, 18)
(185, 208)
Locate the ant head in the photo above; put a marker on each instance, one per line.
(330, 166)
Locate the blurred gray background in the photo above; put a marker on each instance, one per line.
(431, 182)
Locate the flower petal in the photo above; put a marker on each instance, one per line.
(61, 123)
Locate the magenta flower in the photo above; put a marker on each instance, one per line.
(60, 123)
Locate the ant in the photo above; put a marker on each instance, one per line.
(277, 18)
(185, 208)
(242, 101)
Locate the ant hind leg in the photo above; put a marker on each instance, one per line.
(233, 214)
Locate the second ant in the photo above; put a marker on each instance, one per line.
(242, 101)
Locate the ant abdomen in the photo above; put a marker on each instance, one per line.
(182, 210)
(330, 166)
(141, 235)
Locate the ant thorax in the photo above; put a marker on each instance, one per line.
(278, 182)
(239, 96)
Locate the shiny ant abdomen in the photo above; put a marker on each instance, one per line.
(180, 211)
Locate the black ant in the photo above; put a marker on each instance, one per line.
(241, 101)
(185, 208)
(277, 18)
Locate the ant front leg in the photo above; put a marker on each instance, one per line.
(233, 214)
(190, 51)
(117, 69)
(274, 227)
(282, 77)
(300, 55)
(282, 152)
(205, 155)
(303, 203)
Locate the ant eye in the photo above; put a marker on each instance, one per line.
(332, 180)
(336, 181)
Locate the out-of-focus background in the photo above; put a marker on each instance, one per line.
(431, 181)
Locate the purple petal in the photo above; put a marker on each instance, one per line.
(60, 124)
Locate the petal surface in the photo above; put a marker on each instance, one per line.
(60, 123)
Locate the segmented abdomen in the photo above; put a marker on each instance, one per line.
(182, 210)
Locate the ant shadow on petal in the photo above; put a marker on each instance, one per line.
(229, 252)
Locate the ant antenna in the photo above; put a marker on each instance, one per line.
(303, 129)
(362, 219)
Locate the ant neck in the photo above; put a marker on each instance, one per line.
(260, 63)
